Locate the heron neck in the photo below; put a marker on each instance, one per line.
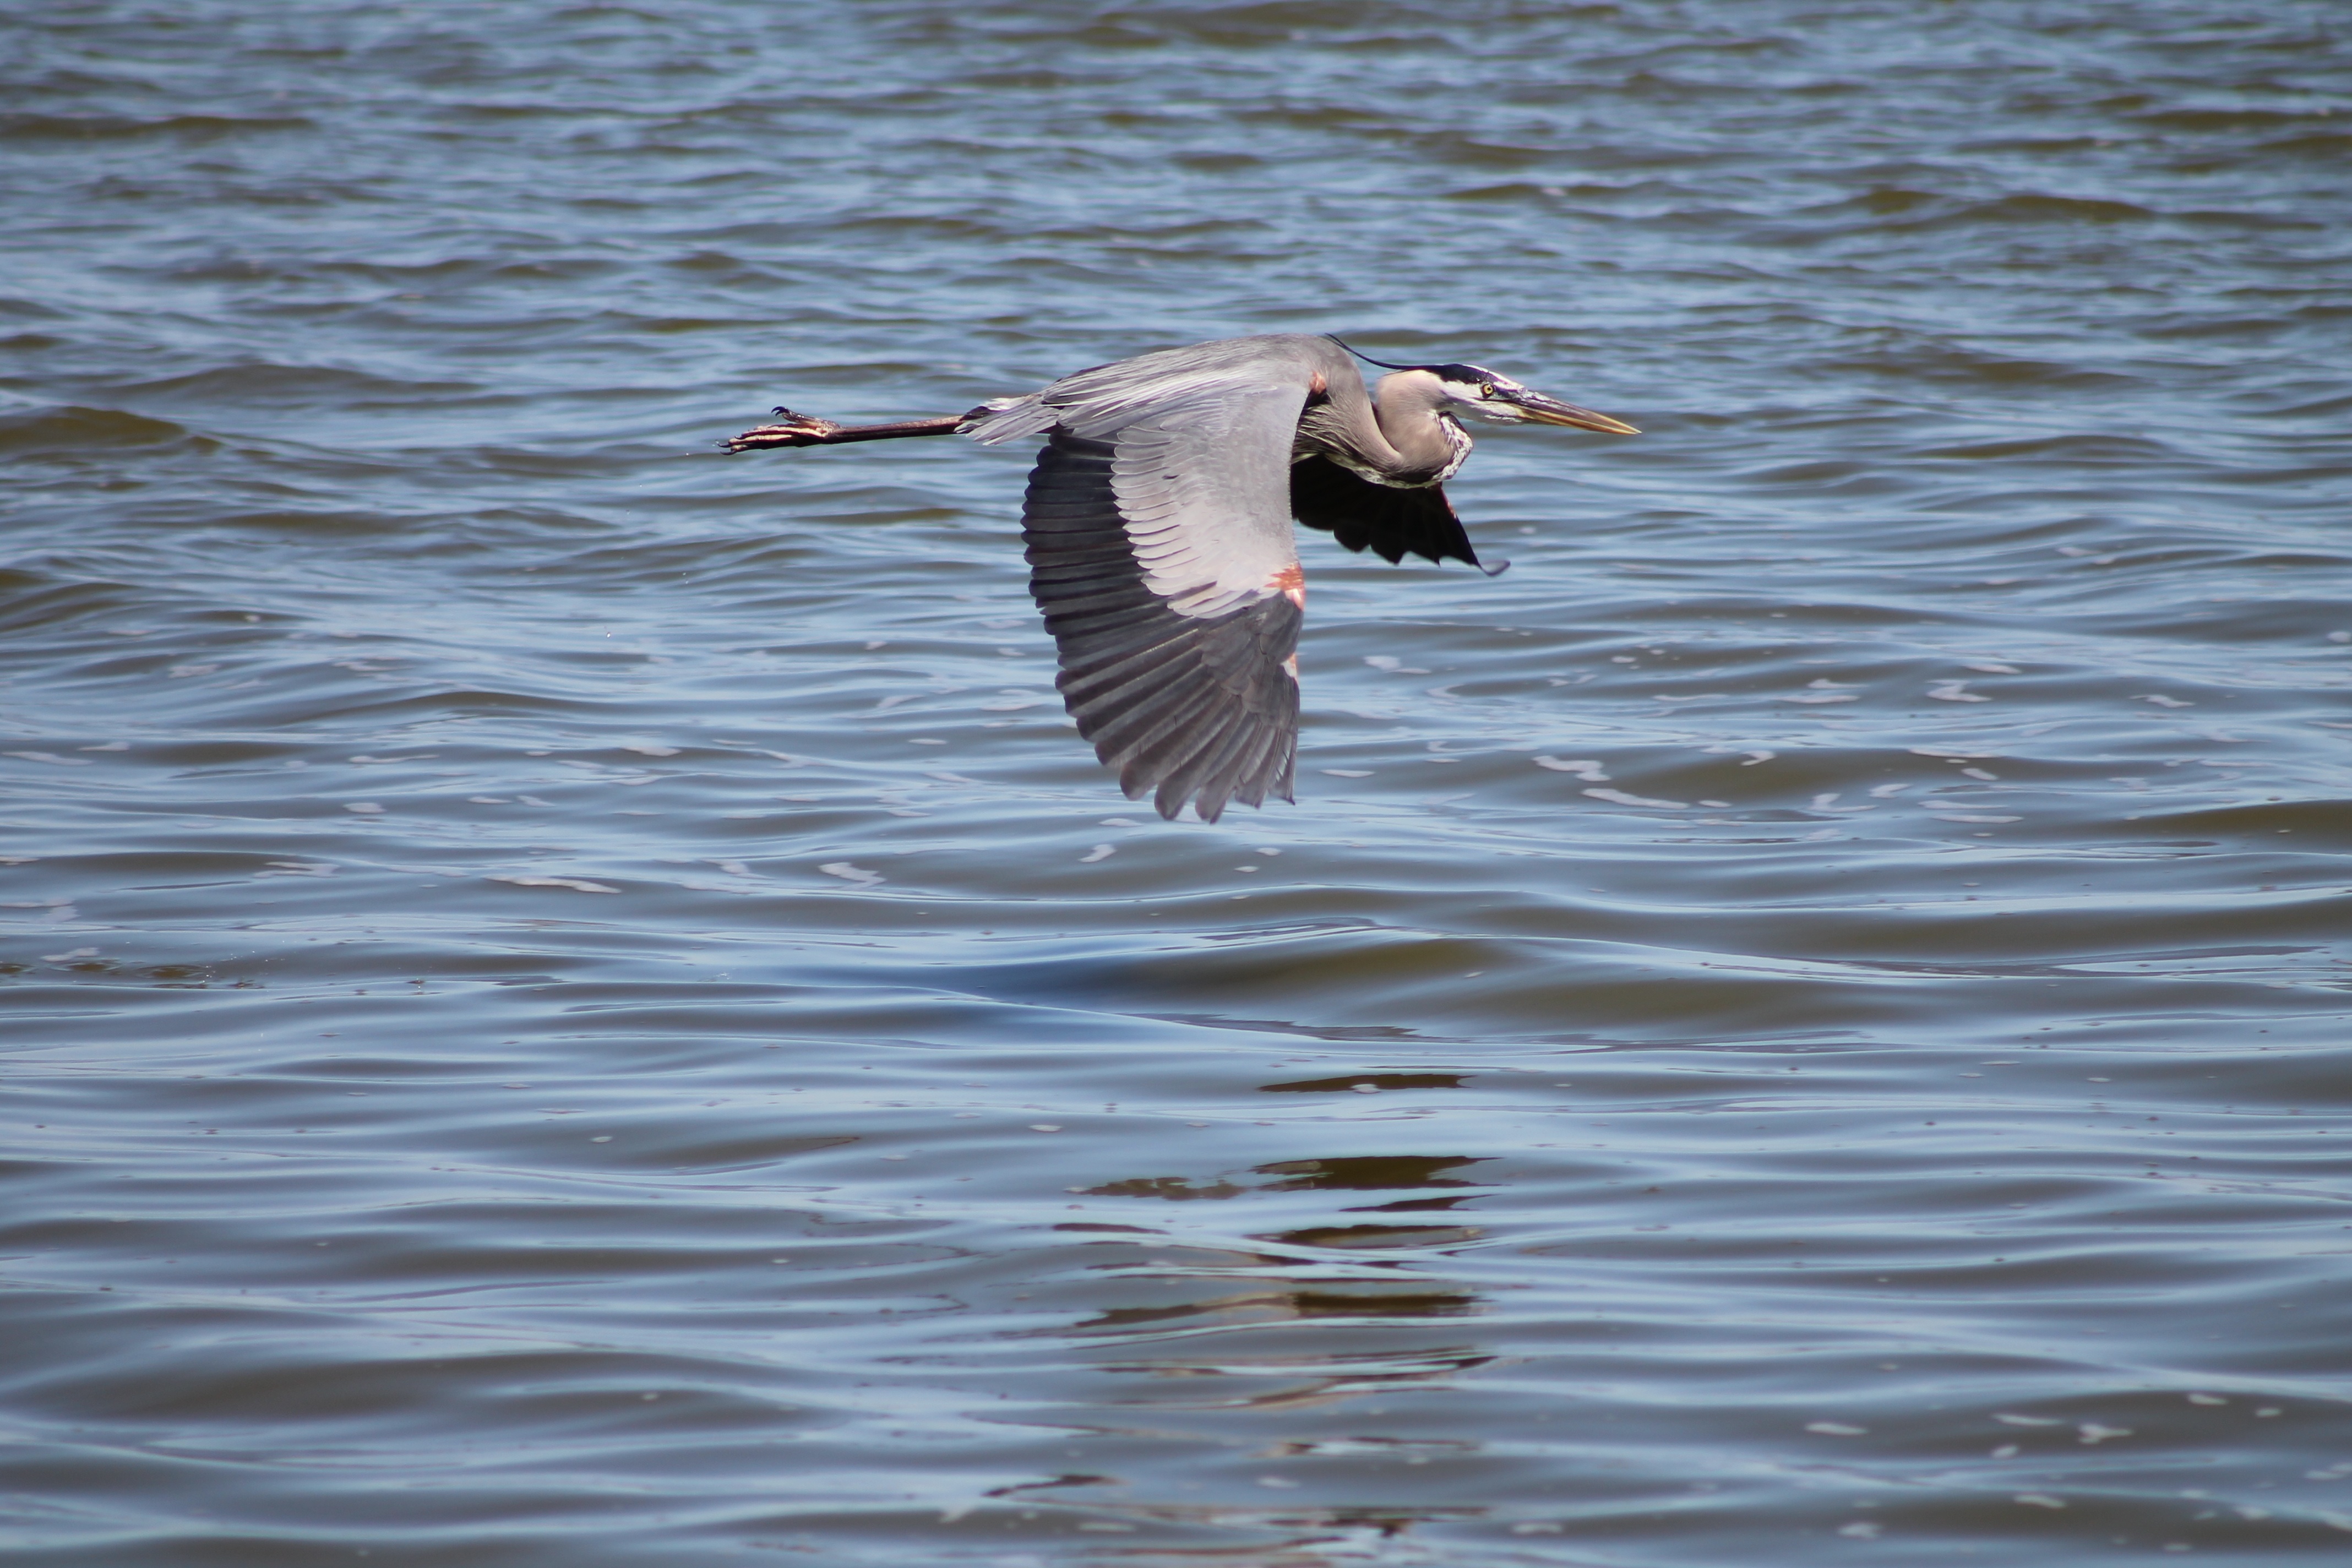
(1403, 440)
(1430, 445)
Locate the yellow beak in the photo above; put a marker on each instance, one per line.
(1545, 410)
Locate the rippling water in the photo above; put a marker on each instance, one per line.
(573, 1000)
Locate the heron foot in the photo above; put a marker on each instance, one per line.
(791, 429)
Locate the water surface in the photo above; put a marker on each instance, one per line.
(574, 1000)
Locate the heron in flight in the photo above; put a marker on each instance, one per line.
(1160, 545)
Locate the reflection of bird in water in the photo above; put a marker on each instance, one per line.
(1160, 551)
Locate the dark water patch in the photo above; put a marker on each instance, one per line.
(266, 383)
(2218, 119)
(1960, 365)
(2321, 144)
(2321, 408)
(1369, 1082)
(42, 597)
(2325, 819)
(2036, 208)
(58, 430)
(2071, 450)
(195, 129)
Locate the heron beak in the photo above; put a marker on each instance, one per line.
(1545, 410)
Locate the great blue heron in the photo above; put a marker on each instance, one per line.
(1158, 526)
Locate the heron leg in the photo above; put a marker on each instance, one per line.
(791, 429)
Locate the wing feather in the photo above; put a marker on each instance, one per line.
(1200, 753)
(1152, 556)
(1394, 520)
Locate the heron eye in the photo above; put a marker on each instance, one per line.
(1485, 389)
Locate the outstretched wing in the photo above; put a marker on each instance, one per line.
(1160, 552)
(1393, 520)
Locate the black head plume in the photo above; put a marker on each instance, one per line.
(1367, 358)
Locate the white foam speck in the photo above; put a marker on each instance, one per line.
(576, 884)
(1621, 797)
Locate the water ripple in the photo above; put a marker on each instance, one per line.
(1810, 1012)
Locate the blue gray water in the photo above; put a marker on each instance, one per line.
(573, 1000)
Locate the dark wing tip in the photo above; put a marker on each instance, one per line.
(1392, 521)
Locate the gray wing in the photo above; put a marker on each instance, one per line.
(1160, 551)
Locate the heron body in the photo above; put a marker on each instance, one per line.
(1158, 522)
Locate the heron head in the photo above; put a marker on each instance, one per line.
(1496, 398)
(1475, 390)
